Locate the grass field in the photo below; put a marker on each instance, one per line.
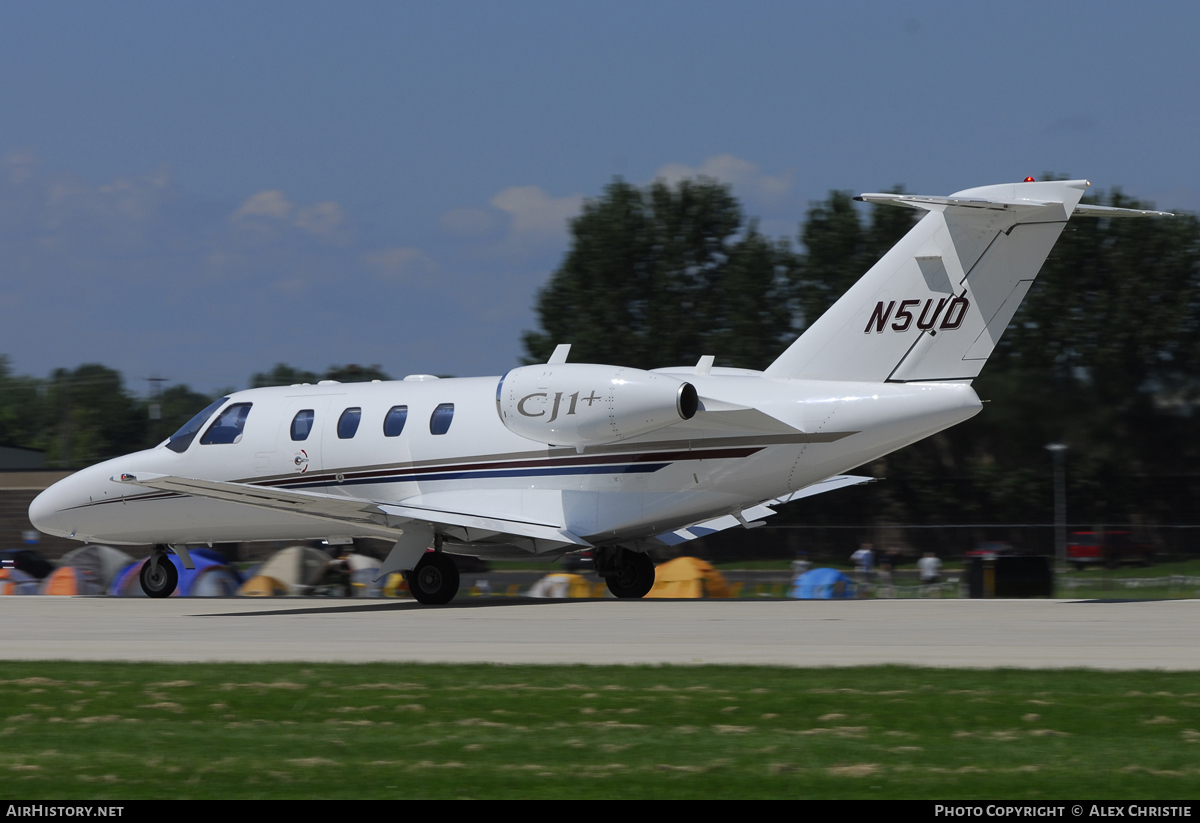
(127, 731)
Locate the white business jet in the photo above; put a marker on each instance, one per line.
(562, 456)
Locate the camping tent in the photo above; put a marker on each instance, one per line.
(98, 563)
(15, 581)
(263, 586)
(68, 580)
(297, 567)
(86, 570)
(212, 577)
(823, 584)
(688, 577)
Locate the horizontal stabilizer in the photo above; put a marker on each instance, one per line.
(1085, 210)
(922, 201)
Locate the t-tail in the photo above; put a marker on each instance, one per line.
(934, 306)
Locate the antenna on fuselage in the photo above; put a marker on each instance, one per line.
(560, 354)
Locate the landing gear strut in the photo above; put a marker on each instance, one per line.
(629, 574)
(434, 581)
(159, 575)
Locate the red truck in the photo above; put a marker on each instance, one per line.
(1108, 548)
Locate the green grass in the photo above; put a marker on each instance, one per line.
(1099, 582)
(127, 731)
(758, 565)
(1184, 567)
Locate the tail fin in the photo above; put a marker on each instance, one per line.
(935, 305)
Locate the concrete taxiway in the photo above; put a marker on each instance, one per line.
(966, 633)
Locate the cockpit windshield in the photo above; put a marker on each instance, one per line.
(228, 426)
(181, 439)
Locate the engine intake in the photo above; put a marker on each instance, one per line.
(583, 404)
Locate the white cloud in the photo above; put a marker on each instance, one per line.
(322, 219)
(745, 177)
(56, 209)
(325, 220)
(534, 216)
(265, 204)
(398, 263)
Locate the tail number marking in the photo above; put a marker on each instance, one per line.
(955, 311)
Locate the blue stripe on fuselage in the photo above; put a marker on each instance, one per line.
(636, 468)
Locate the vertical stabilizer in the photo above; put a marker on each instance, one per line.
(935, 305)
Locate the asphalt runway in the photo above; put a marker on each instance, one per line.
(964, 633)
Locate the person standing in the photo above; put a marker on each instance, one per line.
(801, 564)
(864, 560)
(930, 569)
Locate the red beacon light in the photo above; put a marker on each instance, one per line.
(1028, 180)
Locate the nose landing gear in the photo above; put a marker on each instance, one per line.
(159, 576)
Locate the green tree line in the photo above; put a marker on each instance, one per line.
(1104, 354)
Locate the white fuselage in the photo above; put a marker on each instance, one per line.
(620, 492)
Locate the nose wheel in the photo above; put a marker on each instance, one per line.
(159, 576)
(434, 581)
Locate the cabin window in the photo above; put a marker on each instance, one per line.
(393, 424)
(439, 423)
(302, 424)
(348, 423)
(228, 426)
(181, 439)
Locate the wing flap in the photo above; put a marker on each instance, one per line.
(751, 517)
(536, 531)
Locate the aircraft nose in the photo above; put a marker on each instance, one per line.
(46, 511)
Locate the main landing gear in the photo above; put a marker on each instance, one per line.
(434, 581)
(159, 575)
(629, 574)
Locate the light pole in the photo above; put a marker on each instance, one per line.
(1060, 503)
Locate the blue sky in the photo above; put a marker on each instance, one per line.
(201, 190)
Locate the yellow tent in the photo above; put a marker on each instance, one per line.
(688, 577)
(263, 585)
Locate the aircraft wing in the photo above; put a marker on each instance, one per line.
(384, 519)
(752, 517)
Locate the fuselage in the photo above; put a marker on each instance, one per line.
(755, 439)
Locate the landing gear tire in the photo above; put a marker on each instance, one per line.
(434, 581)
(633, 575)
(159, 579)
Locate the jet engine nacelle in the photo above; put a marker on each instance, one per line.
(581, 404)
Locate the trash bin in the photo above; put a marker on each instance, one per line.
(1010, 576)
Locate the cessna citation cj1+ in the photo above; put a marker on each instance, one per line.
(562, 456)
